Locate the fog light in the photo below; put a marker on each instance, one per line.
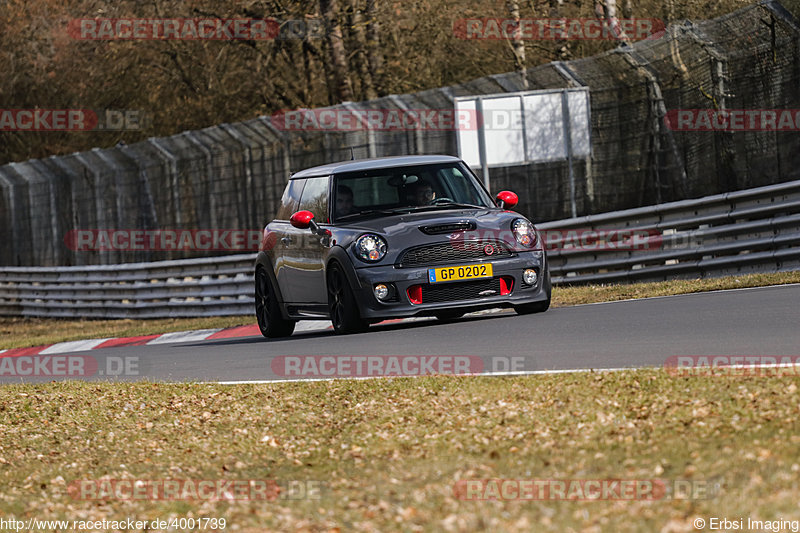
(529, 276)
(381, 291)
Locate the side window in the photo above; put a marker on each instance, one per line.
(315, 198)
(290, 199)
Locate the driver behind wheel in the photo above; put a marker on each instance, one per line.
(344, 201)
(423, 193)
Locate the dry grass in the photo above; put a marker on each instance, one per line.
(388, 452)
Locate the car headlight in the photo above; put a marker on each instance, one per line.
(524, 232)
(370, 247)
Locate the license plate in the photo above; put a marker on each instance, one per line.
(456, 273)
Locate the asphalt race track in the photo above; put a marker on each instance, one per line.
(636, 333)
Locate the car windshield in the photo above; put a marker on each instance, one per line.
(402, 189)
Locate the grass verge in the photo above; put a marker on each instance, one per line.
(22, 332)
(387, 453)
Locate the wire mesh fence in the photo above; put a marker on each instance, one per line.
(231, 176)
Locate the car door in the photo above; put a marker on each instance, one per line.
(282, 251)
(304, 263)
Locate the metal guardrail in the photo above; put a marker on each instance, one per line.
(213, 286)
(755, 230)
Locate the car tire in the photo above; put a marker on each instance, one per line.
(448, 316)
(268, 311)
(527, 309)
(537, 307)
(342, 304)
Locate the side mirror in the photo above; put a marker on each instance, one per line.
(305, 220)
(506, 199)
(302, 219)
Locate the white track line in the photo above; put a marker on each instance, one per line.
(488, 374)
(701, 371)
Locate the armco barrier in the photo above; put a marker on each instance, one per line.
(233, 175)
(184, 288)
(756, 230)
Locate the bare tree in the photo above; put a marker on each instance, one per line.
(360, 37)
(517, 44)
(613, 21)
(191, 84)
(343, 89)
(562, 51)
(374, 55)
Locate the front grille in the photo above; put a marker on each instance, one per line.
(454, 251)
(464, 290)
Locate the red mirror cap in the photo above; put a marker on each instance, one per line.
(508, 198)
(302, 219)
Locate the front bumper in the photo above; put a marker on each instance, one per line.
(403, 278)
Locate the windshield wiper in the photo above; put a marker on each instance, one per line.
(368, 212)
(408, 209)
(448, 205)
(457, 204)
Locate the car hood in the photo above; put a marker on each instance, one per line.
(411, 222)
(404, 230)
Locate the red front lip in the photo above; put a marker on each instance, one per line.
(414, 292)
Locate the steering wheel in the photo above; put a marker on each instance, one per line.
(442, 200)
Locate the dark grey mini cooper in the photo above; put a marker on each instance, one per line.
(363, 241)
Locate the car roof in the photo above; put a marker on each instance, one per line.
(368, 164)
